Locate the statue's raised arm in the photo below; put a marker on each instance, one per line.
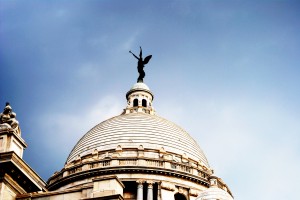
(134, 55)
(141, 64)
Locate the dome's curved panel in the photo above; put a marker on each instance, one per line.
(140, 86)
(135, 129)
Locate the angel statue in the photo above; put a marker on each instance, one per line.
(141, 64)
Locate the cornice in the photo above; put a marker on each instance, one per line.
(13, 184)
(125, 169)
(51, 193)
(12, 163)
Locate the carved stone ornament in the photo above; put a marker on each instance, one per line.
(8, 120)
(194, 193)
(78, 159)
(141, 148)
(68, 165)
(167, 186)
(140, 181)
(119, 148)
(180, 190)
(106, 155)
(116, 154)
(162, 150)
(95, 152)
(150, 183)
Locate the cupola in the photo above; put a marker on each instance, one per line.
(139, 99)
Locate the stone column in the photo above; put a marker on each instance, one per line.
(139, 190)
(159, 191)
(150, 190)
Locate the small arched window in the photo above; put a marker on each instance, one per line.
(135, 102)
(144, 103)
(179, 196)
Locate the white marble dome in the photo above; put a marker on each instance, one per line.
(135, 129)
(140, 85)
(146, 154)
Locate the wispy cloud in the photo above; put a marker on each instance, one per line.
(227, 72)
(64, 129)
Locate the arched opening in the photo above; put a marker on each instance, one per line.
(135, 102)
(179, 196)
(130, 191)
(144, 103)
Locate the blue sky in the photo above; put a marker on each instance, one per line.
(226, 71)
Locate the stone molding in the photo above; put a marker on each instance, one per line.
(140, 181)
(87, 165)
(60, 181)
(167, 186)
(108, 178)
(194, 193)
(12, 184)
(13, 166)
(140, 152)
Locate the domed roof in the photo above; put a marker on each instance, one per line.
(139, 86)
(135, 129)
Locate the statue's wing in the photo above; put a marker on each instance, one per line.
(146, 60)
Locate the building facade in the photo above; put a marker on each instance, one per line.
(136, 155)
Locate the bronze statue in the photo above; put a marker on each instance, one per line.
(141, 64)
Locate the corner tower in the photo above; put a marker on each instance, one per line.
(16, 177)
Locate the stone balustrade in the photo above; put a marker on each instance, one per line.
(123, 162)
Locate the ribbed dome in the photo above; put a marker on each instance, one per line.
(140, 85)
(135, 129)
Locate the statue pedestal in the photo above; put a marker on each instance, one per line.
(11, 141)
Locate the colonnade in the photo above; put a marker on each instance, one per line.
(149, 185)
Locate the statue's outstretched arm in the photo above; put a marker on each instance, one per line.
(134, 55)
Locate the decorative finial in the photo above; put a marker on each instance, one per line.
(8, 119)
(141, 64)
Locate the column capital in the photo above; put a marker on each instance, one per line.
(150, 182)
(167, 186)
(140, 181)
